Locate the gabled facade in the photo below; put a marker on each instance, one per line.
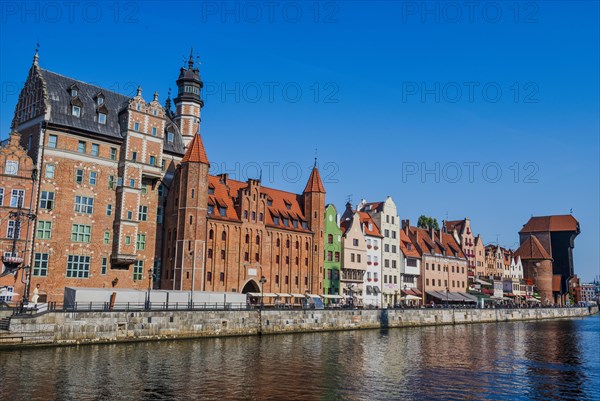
(17, 205)
(354, 256)
(371, 280)
(462, 233)
(385, 216)
(411, 265)
(332, 252)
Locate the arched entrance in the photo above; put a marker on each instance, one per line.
(251, 286)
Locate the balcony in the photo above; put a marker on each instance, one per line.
(122, 260)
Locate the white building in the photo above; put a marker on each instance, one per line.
(385, 216)
(371, 284)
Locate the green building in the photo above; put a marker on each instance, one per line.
(333, 256)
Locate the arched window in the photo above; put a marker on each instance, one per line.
(211, 234)
(306, 246)
(210, 253)
(224, 235)
(330, 239)
(247, 239)
(287, 243)
(257, 240)
(297, 245)
(278, 242)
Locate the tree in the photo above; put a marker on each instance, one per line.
(428, 222)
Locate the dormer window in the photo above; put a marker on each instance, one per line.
(76, 111)
(211, 190)
(288, 205)
(170, 137)
(74, 92)
(102, 118)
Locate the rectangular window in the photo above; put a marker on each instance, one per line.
(394, 249)
(136, 126)
(394, 264)
(133, 156)
(13, 230)
(93, 177)
(132, 183)
(79, 176)
(154, 131)
(52, 141)
(138, 270)
(44, 229)
(355, 242)
(47, 200)
(159, 214)
(127, 240)
(223, 211)
(145, 189)
(394, 234)
(129, 215)
(81, 147)
(102, 118)
(106, 237)
(1, 196)
(78, 266)
(84, 204)
(143, 213)
(140, 242)
(50, 170)
(153, 160)
(352, 257)
(40, 264)
(95, 149)
(161, 190)
(104, 266)
(109, 210)
(111, 181)
(170, 137)
(75, 111)
(81, 233)
(113, 153)
(16, 197)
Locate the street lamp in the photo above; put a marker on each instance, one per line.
(150, 277)
(263, 280)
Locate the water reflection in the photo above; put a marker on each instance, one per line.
(538, 360)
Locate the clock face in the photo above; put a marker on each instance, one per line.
(11, 167)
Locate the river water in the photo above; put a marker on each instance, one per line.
(548, 360)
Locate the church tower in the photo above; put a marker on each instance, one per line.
(188, 103)
(314, 211)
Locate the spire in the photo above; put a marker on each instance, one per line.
(36, 56)
(191, 60)
(314, 182)
(195, 152)
(168, 101)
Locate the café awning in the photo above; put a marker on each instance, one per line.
(332, 296)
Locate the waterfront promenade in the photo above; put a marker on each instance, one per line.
(91, 327)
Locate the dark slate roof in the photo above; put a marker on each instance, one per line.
(177, 145)
(59, 96)
(58, 90)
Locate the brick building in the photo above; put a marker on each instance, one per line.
(443, 264)
(556, 234)
(110, 173)
(17, 200)
(225, 235)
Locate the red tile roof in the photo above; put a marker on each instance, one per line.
(225, 195)
(369, 226)
(404, 243)
(531, 248)
(373, 206)
(314, 183)
(195, 152)
(454, 224)
(426, 244)
(551, 223)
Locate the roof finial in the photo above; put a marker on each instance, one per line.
(191, 60)
(316, 156)
(156, 96)
(168, 101)
(139, 91)
(36, 56)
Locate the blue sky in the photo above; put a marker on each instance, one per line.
(489, 112)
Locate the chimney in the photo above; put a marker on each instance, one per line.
(432, 233)
(223, 178)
